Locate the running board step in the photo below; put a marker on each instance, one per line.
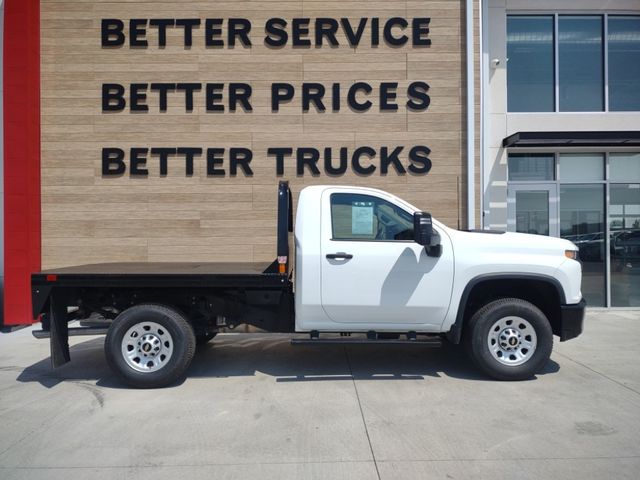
(370, 339)
(73, 332)
(337, 341)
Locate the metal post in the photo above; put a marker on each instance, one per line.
(471, 204)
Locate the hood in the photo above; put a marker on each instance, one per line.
(512, 242)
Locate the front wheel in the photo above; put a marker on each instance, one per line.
(150, 345)
(509, 339)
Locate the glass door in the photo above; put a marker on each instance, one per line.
(533, 208)
(624, 244)
(582, 221)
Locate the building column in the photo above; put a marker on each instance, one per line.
(21, 159)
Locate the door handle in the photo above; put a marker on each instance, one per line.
(339, 256)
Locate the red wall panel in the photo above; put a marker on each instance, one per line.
(21, 71)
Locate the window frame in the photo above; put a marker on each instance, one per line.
(556, 79)
(333, 237)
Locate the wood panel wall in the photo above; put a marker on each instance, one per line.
(89, 218)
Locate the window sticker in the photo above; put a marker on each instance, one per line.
(362, 218)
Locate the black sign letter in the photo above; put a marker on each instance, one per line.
(162, 24)
(351, 96)
(389, 38)
(213, 94)
(163, 153)
(113, 161)
(211, 31)
(112, 27)
(113, 97)
(214, 158)
(138, 97)
(420, 163)
(355, 160)
(240, 157)
(418, 98)
(280, 92)
(139, 162)
(239, 28)
(137, 32)
(277, 36)
(189, 153)
(189, 24)
(388, 94)
(420, 29)
(387, 159)
(280, 154)
(312, 93)
(328, 166)
(307, 157)
(240, 93)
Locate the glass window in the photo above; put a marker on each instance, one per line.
(581, 167)
(531, 166)
(584, 211)
(580, 63)
(624, 167)
(624, 245)
(623, 40)
(530, 74)
(532, 212)
(364, 217)
(582, 222)
(579, 51)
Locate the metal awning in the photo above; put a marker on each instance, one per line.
(572, 139)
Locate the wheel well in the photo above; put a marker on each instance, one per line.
(542, 293)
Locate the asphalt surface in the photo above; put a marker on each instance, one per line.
(255, 407)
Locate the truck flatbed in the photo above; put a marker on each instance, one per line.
(159, 274)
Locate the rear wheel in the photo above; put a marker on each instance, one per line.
(150, 345)
(509, 339)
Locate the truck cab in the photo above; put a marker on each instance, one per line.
(359, 268)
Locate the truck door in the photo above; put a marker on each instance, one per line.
(372, 270)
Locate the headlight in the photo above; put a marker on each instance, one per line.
(572, 254)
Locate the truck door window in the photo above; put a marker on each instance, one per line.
(368, 218)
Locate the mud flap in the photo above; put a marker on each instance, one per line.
(286, 318)
(59, 339)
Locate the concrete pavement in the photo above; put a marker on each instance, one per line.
(255, 407)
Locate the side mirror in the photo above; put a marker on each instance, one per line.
(425, 235)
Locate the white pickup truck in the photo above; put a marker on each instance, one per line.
(370, 268)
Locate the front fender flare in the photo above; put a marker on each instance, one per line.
(454, 335)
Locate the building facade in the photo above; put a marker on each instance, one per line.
(561, 151)
(157, 131)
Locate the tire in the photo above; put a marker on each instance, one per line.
(204, 338)
(161, 342)
(509, 339)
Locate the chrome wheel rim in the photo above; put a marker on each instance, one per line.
(147, 347)
(512, 341)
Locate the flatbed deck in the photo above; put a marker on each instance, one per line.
(159, 274)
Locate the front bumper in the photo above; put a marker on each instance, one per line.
(571, 320)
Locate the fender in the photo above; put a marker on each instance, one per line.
(455, 333)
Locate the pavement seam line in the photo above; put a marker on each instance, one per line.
(317, 462)
(599, 373)
(366, 430)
